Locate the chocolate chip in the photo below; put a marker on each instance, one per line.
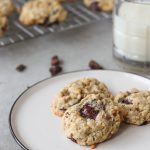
(94, 6)
(94, 65)
(88, 111)
(125, 101)
(21, 68)
(144, 123)
(54, 70)
(55, 61)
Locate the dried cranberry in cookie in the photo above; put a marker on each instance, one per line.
(92, 121)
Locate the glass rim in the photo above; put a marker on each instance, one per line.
(139, 1)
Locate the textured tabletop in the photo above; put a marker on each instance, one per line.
(75, 47)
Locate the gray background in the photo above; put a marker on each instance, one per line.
(75, 47)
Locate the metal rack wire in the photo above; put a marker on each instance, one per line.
(78, 16)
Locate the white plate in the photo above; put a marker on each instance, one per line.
(34, 127)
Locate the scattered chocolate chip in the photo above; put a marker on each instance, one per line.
(94, 65)
(94, 6)
(125, 101)
(54, 70)
(88, 111)
(55, 61)
(21, 68)
(144, 123)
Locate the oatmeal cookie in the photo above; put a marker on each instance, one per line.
(101, 5)
(92, 121)
(135, 106)
(42, 12)
(74, 92)
(6, 7)
(3, 25)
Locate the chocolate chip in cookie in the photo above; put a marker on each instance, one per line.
(88, 111)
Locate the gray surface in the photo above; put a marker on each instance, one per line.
(75, 47)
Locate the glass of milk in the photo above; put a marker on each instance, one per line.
(132, 33)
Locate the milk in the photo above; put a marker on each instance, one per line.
(132, 31)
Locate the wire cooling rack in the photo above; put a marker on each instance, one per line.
(79, 15)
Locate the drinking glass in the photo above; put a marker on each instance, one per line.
(131, 33)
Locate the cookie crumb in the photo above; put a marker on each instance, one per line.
(94, 65)
(21, 68)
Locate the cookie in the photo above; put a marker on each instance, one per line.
(135, 106)
(99, 5)
(42, 12)
(75, 91)
(3, 25)
(6, 7)
(92, 121)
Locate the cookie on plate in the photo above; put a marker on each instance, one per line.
(99, 5)
(92, 121)
(3, 25)
(6, 7)
(42, 12)
(75, 91)
(135, 106)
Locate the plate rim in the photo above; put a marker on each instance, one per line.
(22, 93)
